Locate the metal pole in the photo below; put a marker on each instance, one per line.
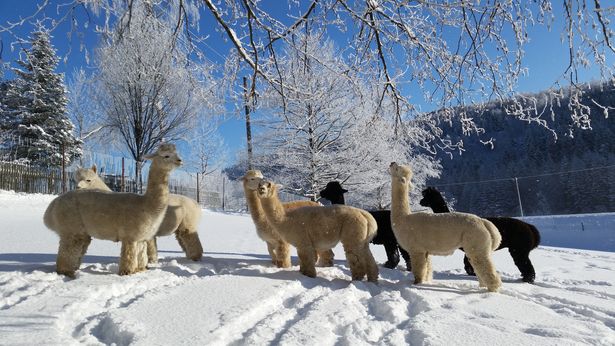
(223, 192)
(519, 196)
(123, 186)
(198, 195)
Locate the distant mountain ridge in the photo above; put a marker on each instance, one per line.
(582, 161)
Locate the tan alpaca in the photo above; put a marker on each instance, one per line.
(312, 229)
(279, 250)
(182, 217)
(79, 215)
(425, 234)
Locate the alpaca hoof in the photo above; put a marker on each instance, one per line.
(309, 273)
(284, 264)
(126, 272)
(418, 282)
(390, 265)
(529, 279)
(196, 258)
(470, 272)
(67, 273)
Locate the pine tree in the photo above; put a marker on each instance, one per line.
(36, 102)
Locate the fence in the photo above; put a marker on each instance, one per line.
(213, 191)
(587, 190)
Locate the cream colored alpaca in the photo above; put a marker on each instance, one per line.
(279, 250)
(425, 234)
(182, 217)
(312, 229)
(79, 215)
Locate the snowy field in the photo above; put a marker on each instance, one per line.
(235, 296)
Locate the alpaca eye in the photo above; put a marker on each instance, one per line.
(166, 157)
(89, 180)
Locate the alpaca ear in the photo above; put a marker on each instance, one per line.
(403, 180)
(94, 168)
(279, 186)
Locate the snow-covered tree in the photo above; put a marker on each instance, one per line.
(326, 127)
(82, 107)
(149, 89)
(36, 102)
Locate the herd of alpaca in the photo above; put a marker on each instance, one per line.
(519, 237)
(334, 193)
(94, 211)
(80, 215)
(181, 218)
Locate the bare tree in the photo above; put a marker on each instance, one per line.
(149, 89)
(83, 108)
(456, 53)
(326, 127)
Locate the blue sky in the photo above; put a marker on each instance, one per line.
(546, 56)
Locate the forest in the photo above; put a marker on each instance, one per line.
(557, 171)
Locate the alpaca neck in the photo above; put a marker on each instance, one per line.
(274, 209)
(338, 200)
(254, 206)
(157, 193)
(440, 207)
(400, 205)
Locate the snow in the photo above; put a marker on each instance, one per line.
(235, 296)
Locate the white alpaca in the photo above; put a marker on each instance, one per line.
(279, 250)
(312, 229)
(182, 217)
(425, 234)
(79, 215)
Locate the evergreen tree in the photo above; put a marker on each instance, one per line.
(36, 102)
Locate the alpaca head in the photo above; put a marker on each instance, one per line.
(333, 192)
(400, 173)
(165, 158)
(86, 178)
(266, 189)
(252, 178)
(433, 199)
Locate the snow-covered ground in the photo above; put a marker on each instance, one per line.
(235, 296)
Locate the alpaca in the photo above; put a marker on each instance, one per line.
(182, 218)
(312, 229)
(519, 237)
(425, 234)
(79, 215)
(334, 193)
(278, 249)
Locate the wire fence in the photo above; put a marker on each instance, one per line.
(575, 191)
(213, 191)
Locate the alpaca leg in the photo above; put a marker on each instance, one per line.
(180, 241)
(84, 241)
(419, 262)
(485, 271)
(307, 259)
(468, 266)
(282, 254)
(271, 250)
(152, 250)
(325, 258)
(129, 257)
(406, 257)
(142, 255)
(355, 260)
(70, 252)
(370, 264)
(522, 261)
(392, 255)
(192, 244)
(428, 269)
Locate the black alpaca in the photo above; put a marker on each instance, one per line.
(519, 237)
(384, 236)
